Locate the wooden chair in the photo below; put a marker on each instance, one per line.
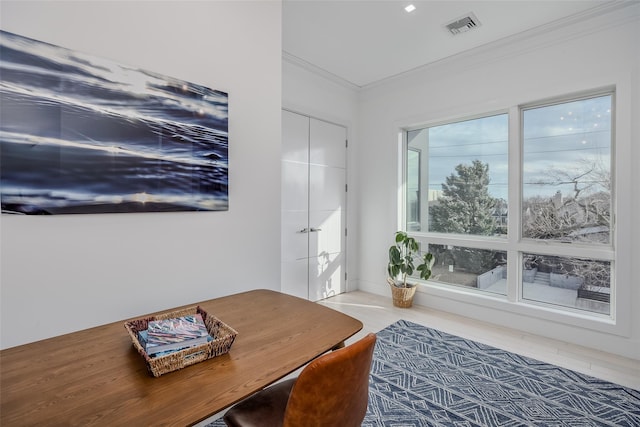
(332, 390)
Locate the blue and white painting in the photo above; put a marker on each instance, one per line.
(80, 134)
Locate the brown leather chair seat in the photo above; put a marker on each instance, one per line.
(331, 391)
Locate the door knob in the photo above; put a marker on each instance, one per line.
(315, 230)
(304, 230)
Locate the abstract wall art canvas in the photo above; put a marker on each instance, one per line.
(81, 134)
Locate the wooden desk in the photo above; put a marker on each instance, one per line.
(95, 377)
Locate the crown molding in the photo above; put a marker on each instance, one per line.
(292, 59)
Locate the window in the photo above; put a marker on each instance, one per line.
(566, 201)
(466, 179)
(413, 189)
(566, 184)
(457, 202)
(470, 267)
(465, 176)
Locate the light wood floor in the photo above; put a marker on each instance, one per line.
(377, 312)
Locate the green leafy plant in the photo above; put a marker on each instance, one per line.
(402, 257)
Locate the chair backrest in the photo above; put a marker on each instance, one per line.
(333, 390)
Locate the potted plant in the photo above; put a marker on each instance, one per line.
(402, 257)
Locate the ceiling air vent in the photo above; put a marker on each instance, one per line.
(464, 24)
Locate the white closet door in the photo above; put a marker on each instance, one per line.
(313, 207)
(327, 209)
(295, 205)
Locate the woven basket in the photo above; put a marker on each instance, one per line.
(402, 297)
(222, 334)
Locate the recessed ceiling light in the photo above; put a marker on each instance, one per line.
(410, 8)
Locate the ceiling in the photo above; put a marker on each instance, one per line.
(362, 42)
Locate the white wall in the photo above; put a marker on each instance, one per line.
(586, 56)
(69, 272)
(312, 94)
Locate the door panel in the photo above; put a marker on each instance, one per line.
(328, 239)
(326, 276)
(327, 199)
(327, 185)
(294, 278)
(295, 191)
(294, 252)
(295, 137)
(297, 242)
(327, 144)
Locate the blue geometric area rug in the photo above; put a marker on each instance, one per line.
(424, 377)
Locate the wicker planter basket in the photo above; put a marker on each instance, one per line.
(402, 297)
(222, 334)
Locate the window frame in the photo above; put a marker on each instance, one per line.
(515, 245)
